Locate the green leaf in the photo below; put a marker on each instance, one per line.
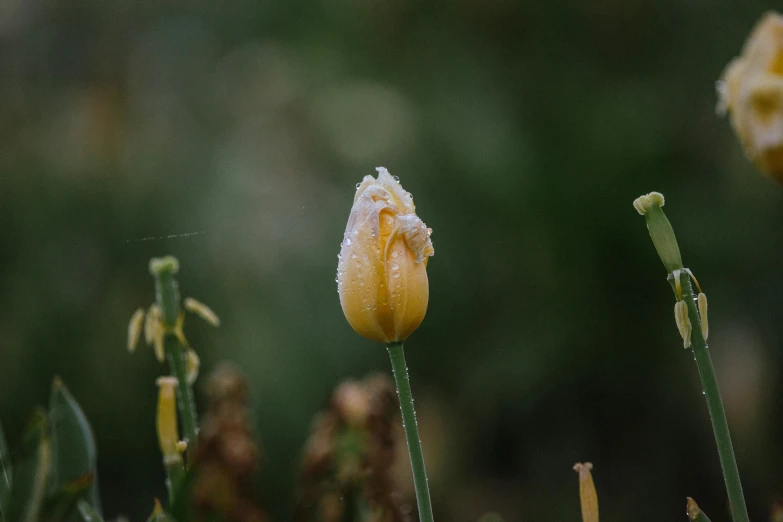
(88, 513)
(6, 473)
(31, 471)
(73, 447)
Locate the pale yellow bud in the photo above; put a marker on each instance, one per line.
(193, 365)
(151, 323)
(158, 346)
(643, 203)
(701, 301)
(751, 91)
(382, 271)
(154, 331)
(587, 494)
(168, 435)
(134, 329)
(201, 310)
(683, 323)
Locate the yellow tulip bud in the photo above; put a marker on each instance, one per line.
(382, 271)
(751, 90)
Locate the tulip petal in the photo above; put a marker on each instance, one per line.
(409, 288)
(381, 275)
(360, 276)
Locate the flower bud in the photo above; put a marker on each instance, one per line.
(382, 268)
(201, 310)
(701, 302)
(168, 435)
(751, 91)
(134, 329)
(660, 229)
(683, 322)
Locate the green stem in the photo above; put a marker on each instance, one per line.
(186, 404)
(739, 512)
(168, 298)
(175, 472)
(397, 356)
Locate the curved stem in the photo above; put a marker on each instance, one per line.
(720, 426)
(397, 356)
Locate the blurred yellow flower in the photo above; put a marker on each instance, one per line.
(382, 268)
(751, 90)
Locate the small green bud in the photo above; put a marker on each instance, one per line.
(692, 509)
(660, 230)
(169, 264)
(166, 288)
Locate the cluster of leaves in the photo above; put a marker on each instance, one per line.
(52, 476)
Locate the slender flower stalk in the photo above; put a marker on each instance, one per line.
(397, 356)
(168, 299)
(692, 323)
(162, 326)
(720, 426)
(384, 290)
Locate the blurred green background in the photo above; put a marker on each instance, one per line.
(524, 130)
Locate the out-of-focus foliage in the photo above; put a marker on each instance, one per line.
(525, 130)
(347, 463)
(54, 465)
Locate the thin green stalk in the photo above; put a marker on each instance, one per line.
(186, 404)
(175, 473)
(168, 299)
(739, 512)
(397, 356)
